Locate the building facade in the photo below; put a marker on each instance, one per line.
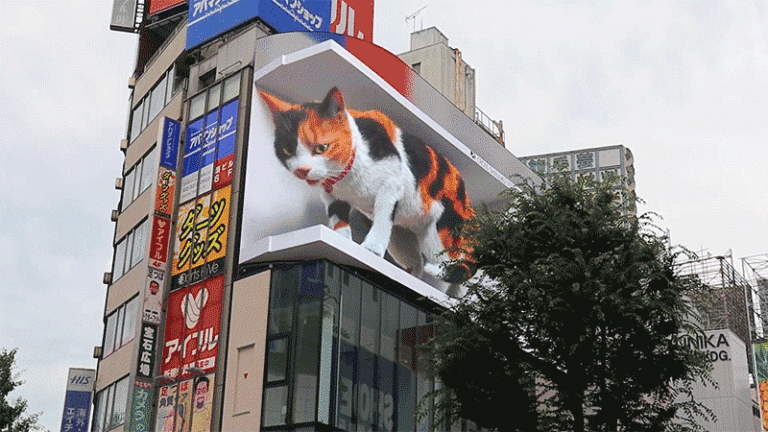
(230, 304)
(597, 164)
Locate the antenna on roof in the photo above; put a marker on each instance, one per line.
(412, 19)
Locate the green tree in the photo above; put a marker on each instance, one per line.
(12, 417)
(574, 323)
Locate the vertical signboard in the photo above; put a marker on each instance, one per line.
(77, 402)
(123, 16)
(223, 171)
(208, 154)
(193, 146)
(141, 408)
(147, 348)
(192, 328)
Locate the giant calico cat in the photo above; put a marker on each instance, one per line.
(362, 160)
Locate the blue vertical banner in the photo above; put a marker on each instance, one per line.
(224, 168)
(169, 139)
(77, 402)
(193, 147)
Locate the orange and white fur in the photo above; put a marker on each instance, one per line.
(362, 160)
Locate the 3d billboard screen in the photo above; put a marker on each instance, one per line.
(208, 19)
(363, 162)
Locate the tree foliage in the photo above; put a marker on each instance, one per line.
(12, 417)
(574, 323)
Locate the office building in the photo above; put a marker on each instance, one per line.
(230, 304)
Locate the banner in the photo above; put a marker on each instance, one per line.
(77, 402)
(141, 407)
(192, 328)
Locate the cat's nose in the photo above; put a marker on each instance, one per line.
(301, 172)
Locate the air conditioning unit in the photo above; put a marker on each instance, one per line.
(97, 350)
(132, 81)
(123, 144)
(115, 215)
(119, 183)
(107, 278)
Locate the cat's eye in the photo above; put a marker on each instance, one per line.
(320, 149)
(286, 151)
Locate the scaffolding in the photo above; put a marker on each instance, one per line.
(722, 304)
(755, 270)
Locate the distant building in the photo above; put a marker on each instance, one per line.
(723, 308)
(595, 163)
(444, 68)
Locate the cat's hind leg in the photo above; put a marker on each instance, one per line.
(338, 216)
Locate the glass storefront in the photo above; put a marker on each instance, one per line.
(343, 354)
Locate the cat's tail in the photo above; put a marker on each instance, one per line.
(455, 272)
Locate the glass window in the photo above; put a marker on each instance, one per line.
(277, 360)
(231, 87)
(214, 94)
(128, 250)
(390, 308)
(136, 120)
(169, 86)
(305, 370)
(406, 377)
(108, 404)
(117, 265)
(121, 400)
(149, 169)
(286, 283)
(128, 188)
(369, 329)
(145, 113)
(98, 413)
(157, 99)
(131, 315)
(136, 180)
(139, 243)
(275, 406)
(109, 335)
(197, 106)
(119, 327)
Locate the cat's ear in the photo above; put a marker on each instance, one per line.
(333, 104)
(275, 105)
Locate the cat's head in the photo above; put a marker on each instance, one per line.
(313, 140)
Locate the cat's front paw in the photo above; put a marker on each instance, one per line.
(375, 247)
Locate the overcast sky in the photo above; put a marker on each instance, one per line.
(683, 84)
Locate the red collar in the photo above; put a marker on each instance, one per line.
(329, 182)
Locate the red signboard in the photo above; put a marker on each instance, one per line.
(156, 6)
(166, 191)
(158, 246)
(192, 328)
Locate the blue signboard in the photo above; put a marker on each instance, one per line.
(193, 146)
(210, 18)
(77, 405)
(170, 143)
(227, 130)
(209, 138)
